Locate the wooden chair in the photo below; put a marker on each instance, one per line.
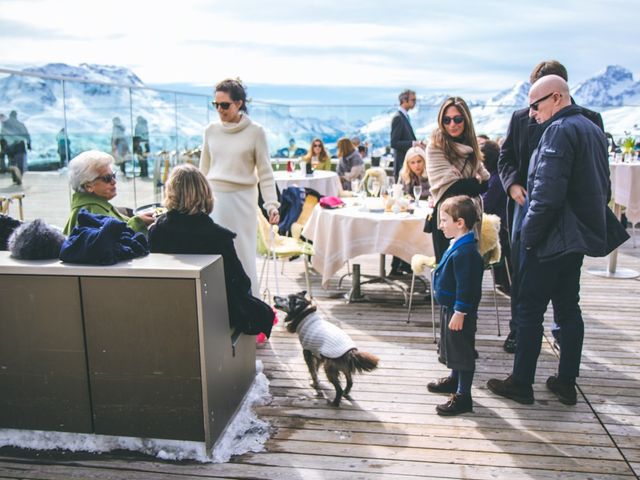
(5, 203)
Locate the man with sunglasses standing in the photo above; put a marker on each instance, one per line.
(522, 138)
(566, 218)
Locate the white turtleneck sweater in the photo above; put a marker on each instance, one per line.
(235, 156)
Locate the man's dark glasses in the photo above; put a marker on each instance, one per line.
(535, 105)
(222, 105)
(458, 119)
(108, 178)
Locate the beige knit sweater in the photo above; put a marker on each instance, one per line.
(442, 173)
(235, 156)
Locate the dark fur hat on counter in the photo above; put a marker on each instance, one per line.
(7, 227)
(35, 241)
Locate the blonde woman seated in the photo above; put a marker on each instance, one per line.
(414, 172)
(93, 180)
(351, 165)
(318, 156)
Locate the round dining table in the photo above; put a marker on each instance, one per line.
(345, 233)
(322, 181)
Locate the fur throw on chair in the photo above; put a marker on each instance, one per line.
(489, 245)
(35, 241)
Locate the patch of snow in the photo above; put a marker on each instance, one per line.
(245, 433)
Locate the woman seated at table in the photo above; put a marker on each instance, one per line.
(351, 165)
(318, 156)
(93, 180)
(414, 172)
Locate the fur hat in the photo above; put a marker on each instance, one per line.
(7, 227)
(35, 241)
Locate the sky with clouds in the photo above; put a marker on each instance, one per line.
(464, 45)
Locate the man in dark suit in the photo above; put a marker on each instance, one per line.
(402, 139)
(402, 136)
(522, 138)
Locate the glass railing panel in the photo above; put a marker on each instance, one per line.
(34, 119)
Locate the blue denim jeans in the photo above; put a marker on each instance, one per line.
(539, 283)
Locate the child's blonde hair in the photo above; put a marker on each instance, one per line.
(188, 191)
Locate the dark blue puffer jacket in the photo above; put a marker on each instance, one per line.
(102, 240)
(569, 189)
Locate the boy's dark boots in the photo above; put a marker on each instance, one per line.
(564, 390)
(457, 404)
(443, 385)
(510, 388)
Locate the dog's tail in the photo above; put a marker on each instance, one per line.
(362, 361)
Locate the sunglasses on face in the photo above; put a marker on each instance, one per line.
(222, 105)
(458, 119)
(317, 145)
(535, 105)
(108, 178)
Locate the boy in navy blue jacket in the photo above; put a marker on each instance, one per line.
(457, 287)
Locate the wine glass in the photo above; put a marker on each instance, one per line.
(389, 186)
(417, 191)
(374, 187)
(355, 187)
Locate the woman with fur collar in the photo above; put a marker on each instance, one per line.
(235, 159)
(93, 180)
(454, 163)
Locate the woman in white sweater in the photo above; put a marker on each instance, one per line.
(235, 158)
(454, 164)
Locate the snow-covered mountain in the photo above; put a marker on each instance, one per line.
(93, 100)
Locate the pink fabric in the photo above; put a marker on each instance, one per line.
(331, 202)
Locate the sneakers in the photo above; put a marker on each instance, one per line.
(509, 344)
(565, 391)
(443, 385)
(456, 405)
(509, 388)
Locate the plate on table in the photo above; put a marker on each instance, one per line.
(156, 208)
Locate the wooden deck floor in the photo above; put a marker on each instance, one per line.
(391, 430)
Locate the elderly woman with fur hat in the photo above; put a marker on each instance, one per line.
(93, 180)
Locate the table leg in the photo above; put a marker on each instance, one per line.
(612, 270)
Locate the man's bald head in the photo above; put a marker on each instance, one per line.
(548, 95)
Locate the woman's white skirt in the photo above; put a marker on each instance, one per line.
(238, 212)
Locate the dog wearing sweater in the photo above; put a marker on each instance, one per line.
(325, 344)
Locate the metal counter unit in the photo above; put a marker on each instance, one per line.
(142, 348)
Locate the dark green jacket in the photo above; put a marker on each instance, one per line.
(95, 204)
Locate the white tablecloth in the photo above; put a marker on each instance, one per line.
(625, 183)
(323, 181)
(341, 234)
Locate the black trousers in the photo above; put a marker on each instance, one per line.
(540, 282)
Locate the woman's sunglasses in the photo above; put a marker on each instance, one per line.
(458, 119)
(317, 145)
(108, 178)
(222, 105)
